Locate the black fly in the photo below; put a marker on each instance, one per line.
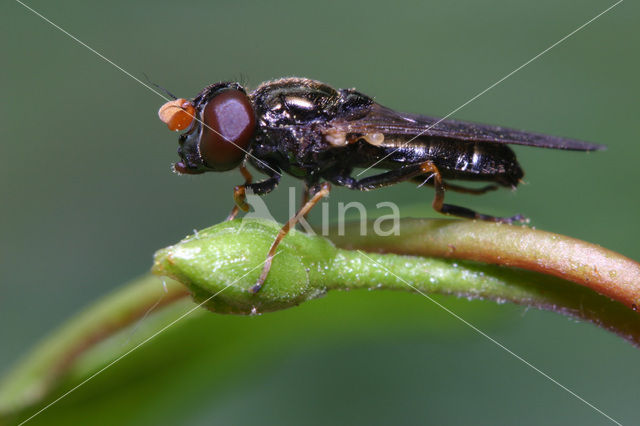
(319, 134)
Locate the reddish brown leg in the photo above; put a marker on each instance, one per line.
(438, 202)
(318, 194)
(239, 194)
(418, 173)
(233, 214)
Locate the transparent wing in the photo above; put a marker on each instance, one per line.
(384, 120)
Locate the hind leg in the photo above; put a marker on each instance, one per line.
(413, 172)
(456, 188)
(440, 206)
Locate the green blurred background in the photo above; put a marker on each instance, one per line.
(87, 193)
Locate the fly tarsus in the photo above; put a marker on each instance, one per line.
(470, 214)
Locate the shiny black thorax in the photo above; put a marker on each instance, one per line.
(295, 115)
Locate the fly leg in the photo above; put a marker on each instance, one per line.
(317, 193)
(458, 188)
(239, 193)
(258, 188)
(376, 181)
(465, 190)
(439, 206)
(411, 172)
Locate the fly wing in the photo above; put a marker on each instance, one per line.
(384, 120)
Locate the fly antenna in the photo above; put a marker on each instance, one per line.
(243, 79)
(157, 86)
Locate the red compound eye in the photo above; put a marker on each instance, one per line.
(232, 119)
(177, 114)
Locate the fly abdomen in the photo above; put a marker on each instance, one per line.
(481, 161)
(455, 159)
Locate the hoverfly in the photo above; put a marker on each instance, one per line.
(320, 135)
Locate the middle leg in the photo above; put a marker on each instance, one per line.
(317, 193)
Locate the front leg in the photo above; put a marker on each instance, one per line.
(247, 180)
(258, 188)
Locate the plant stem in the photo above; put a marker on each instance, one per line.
(36, 375)
(590, 265)
(221, 263)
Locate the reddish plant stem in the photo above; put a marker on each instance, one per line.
(600, 269)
